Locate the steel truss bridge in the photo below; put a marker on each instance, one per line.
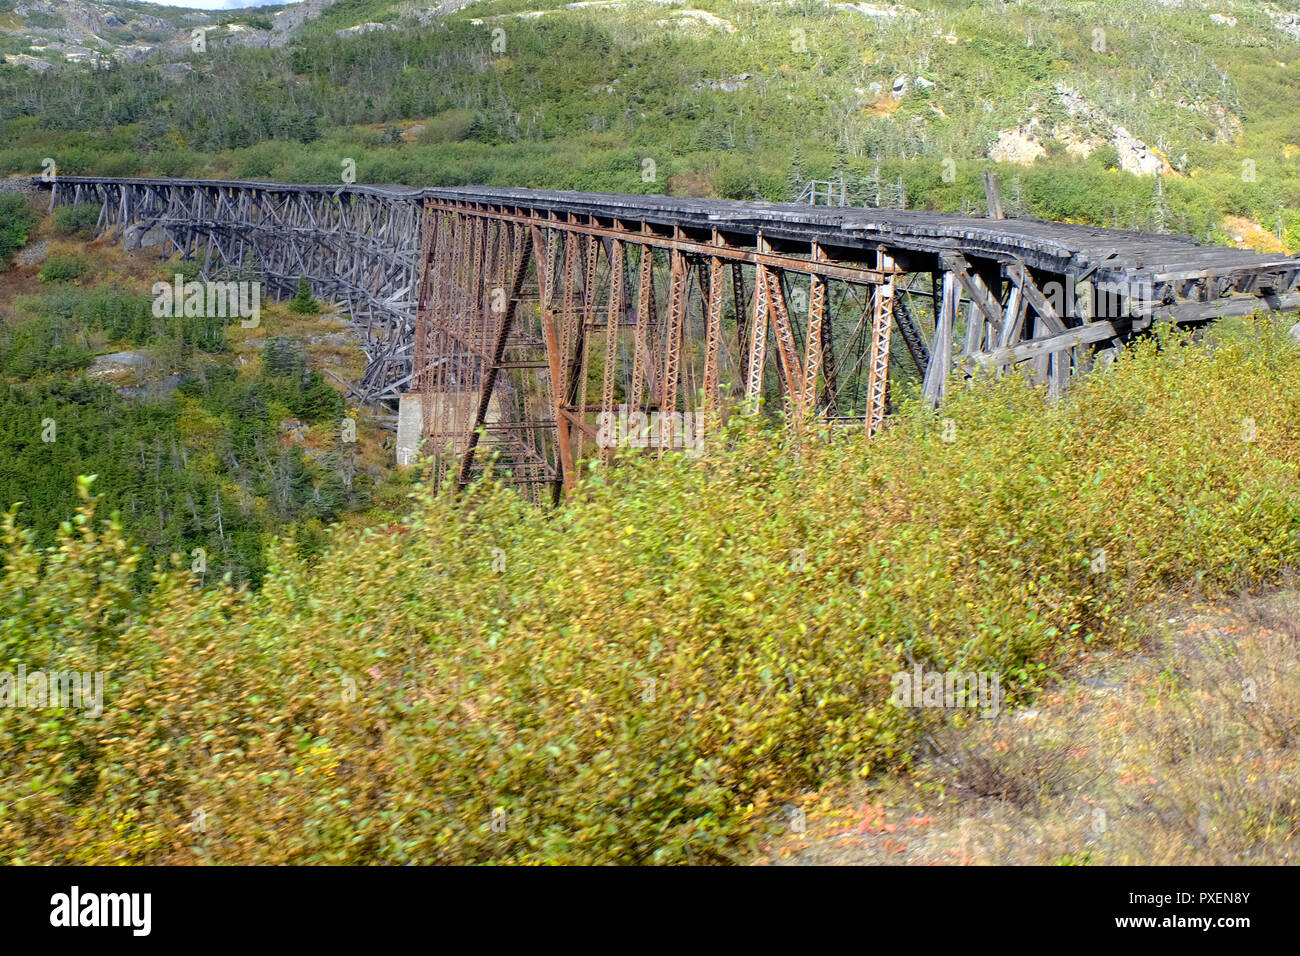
(527, 320)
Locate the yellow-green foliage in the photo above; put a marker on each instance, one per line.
(644, 676)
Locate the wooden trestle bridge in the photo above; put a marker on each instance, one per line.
(528, 321)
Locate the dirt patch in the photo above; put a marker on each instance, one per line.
(1183, 751)
(1251, 235)
(1021, 145)
(884, 105)
(689, 184)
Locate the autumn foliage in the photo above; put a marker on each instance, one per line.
(646, 675)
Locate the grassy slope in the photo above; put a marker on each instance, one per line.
(581, 98)
(644, 679)
(1181, 753)
(50, 333)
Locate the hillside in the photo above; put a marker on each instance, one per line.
(308, 655)
(208, 437)
(1170, 116)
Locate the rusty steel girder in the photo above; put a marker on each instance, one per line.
(540, 345)
(1037, 297)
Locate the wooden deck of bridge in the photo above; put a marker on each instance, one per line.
(416, 268)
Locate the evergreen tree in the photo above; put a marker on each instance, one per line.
(798, 173)
(302, 301)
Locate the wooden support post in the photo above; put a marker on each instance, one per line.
(936, 376)
(1013, 323)
(1021, 278)
(1053, 345)
(993, 195)
(984, 306)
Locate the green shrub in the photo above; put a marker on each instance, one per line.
(120, 315)
(78, 221)
(637, 677)
(63, 268)
(448, 127)
(283, 355)
(42, 345)
(120, 163)
(1107, 157)
(175, 163)
(16, 221)
(45, 21)
(302, 302)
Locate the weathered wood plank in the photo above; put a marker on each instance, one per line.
(1047, 346)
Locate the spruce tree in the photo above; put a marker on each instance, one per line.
(302, 300)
